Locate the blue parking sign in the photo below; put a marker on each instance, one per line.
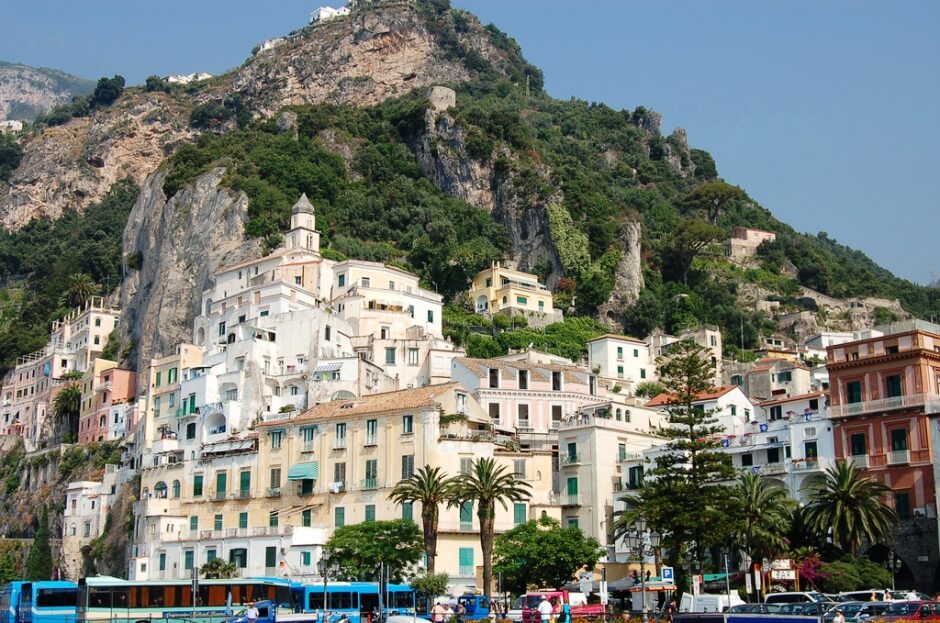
(667, 575)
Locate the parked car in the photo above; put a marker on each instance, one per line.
(514, 613)
(872, 609)
(789, 598)
(754, 609)
(923, 610)
(578, 602)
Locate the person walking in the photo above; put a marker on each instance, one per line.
(839, 617)
(545, 610)
(251, 614)
(438, 613)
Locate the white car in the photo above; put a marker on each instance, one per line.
(515, 611)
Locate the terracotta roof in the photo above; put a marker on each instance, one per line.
(664, 399)
(625, 338)
(400, 400)
(778, 401)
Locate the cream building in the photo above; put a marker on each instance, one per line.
(621, 360)
(87, 504)
(499, 289)
(269, 500)
(591, 449)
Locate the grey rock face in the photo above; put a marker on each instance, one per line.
(178, 244)
(628, 277)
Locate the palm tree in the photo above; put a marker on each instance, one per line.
(218, 569)
(81, 287)
(430, 487)
(486, 484)
(764, 512)
(851, 507)
(66, 406)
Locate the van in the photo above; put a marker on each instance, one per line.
(798, 597)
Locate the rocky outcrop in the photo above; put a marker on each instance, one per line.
(178, 244)
(26, 92)
(441, 151)
(70, 166)
(361, 59)
(628, 277)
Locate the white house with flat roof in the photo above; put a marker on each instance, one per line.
(622, 360)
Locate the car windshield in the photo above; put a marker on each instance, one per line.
(517, 604)
(903, 607)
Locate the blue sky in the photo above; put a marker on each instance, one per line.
(825, 112)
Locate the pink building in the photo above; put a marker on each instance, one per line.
(744, 241)
(107, 405)
(529, 393)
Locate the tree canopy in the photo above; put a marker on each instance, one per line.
(358, 550)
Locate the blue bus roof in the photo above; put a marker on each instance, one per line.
(107, 580)
(52, 584)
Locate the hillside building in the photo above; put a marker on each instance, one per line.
(503, 290)
(621, 360)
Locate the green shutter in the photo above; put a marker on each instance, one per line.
(210, 555)
(188, 559)
(573, 485)
(193, 524)
(407, 511)
(270, 557)
(466, 557)
(221, 482)
(370, 512)
(466, 512)
(197, 485)
(519, 513)
(306, 518)
(244, 482)
(242, 520)
(217, 524)
(339, 517)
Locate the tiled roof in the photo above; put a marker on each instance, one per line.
(480, 366)
(778, 401)
(400, 400)
(664, 398)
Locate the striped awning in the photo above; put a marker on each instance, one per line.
(304, 471)
(328, 367)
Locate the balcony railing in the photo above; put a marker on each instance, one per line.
(570, 458)
(274, 492)
(466, 526)
(370, 483)
(372, 440)
(861, 460)
(930, 402)
(339, 444)
(807, 465)
(219, 496)
(241, 494)
(309, 446)
(899, 457)
(773, 469)
(467, 571)
(571, 499)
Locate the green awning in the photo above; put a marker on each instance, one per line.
(304, 471)
(713, 577)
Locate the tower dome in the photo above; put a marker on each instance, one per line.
(303, 206)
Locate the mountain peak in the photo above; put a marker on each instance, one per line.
(27, 92)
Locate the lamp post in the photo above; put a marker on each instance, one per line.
(642, 542)
(326, 570)
(893, 564)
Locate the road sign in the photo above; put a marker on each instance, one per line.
(667, 575)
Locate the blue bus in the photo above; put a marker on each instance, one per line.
(358, 601)
(38, 602)
(103, 598)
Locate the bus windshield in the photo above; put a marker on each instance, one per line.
(55, 597)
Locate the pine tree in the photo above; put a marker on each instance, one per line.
(39, 561)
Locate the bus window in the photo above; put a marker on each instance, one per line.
(99, 597)
(368, 602)
(315, 601)
(55, 598)
(283, 596)
(402, 599)
(119, 597)
(342, 601)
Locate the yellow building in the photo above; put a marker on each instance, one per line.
(498, 289)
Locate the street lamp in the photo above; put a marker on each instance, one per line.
(642, 542)
(326, 569)
(893, 564)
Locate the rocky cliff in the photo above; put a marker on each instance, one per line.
(171, 249)
(26, 92)
(69, 166)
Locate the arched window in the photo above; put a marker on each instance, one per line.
(619, 414)
(176, 488)
(159, 490)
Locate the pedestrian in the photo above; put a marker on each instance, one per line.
(545, 610)
(874, 596)
(448, 612)
(565, 616)
(461, 612)
(438, 613)
(839, 617)
(251, 614)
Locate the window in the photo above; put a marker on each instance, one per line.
(339, 472)
(175, 490)
(276, 438)
(902, 504)
(430, 315)
(620, 353)
(339, 517)
(366, 282)
(221, 329)
(243, 520)
(162, 564)
(734, 410)
(785, 377)
(814, 404)
(891, 350)
(407, 511)
(407, 424)
(188, 559)
(572, 452)
(466, 516)
(773, 455)
(341, 280)
(573, 522)
(524, 416)
(341, 435)
(171, 400)
(518, 514)
(193, 524)
(810, 450)
(494, 378)
(747, 460)
(326, 333)
(619, 372)
(407, 466)
(390, 356)
(274, 519)
(465, 560)
(306, 557)
(197, 485)
(370, 512)
(556, 416)
(372, 432)
(541, 305)
(239, 557)
(275, 477)
(898, 439)
(493, 408)
(466, 465)
(621, 452)
(413, 356)
(642, 373)
(858, 444)
(571, 486)
(853, 392)
(523, 379)
(372, 473)
(521, 300)
(217, 522)
(556, 381)
(306, 518)
(737, 379)
(171, 376)
(270, 557)
(244, 483)
(635, 477)
(156, 405)
(893, 386)
(776, 413)
(518, 468)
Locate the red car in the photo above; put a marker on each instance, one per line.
(910, 610)
(577, 601)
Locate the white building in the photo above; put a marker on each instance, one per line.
(326, 13)
(86, 511)
(621, 360)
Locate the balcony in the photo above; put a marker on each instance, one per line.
(930, 403)
(861, 461)
(466, 526)
(241, 494)
(571, 499)
(273, 492)
(805, 465)
(899, 457)
(339, 444)
(372, 440)
(369, 484)
(773, 469)
(309, 445)
(570, 458)
(467, 571)
(219, 496)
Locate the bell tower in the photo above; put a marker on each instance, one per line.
(303, 233)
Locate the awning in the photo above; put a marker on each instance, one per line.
(327, 367)
(304, 471)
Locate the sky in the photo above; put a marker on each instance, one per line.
(826, 113)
